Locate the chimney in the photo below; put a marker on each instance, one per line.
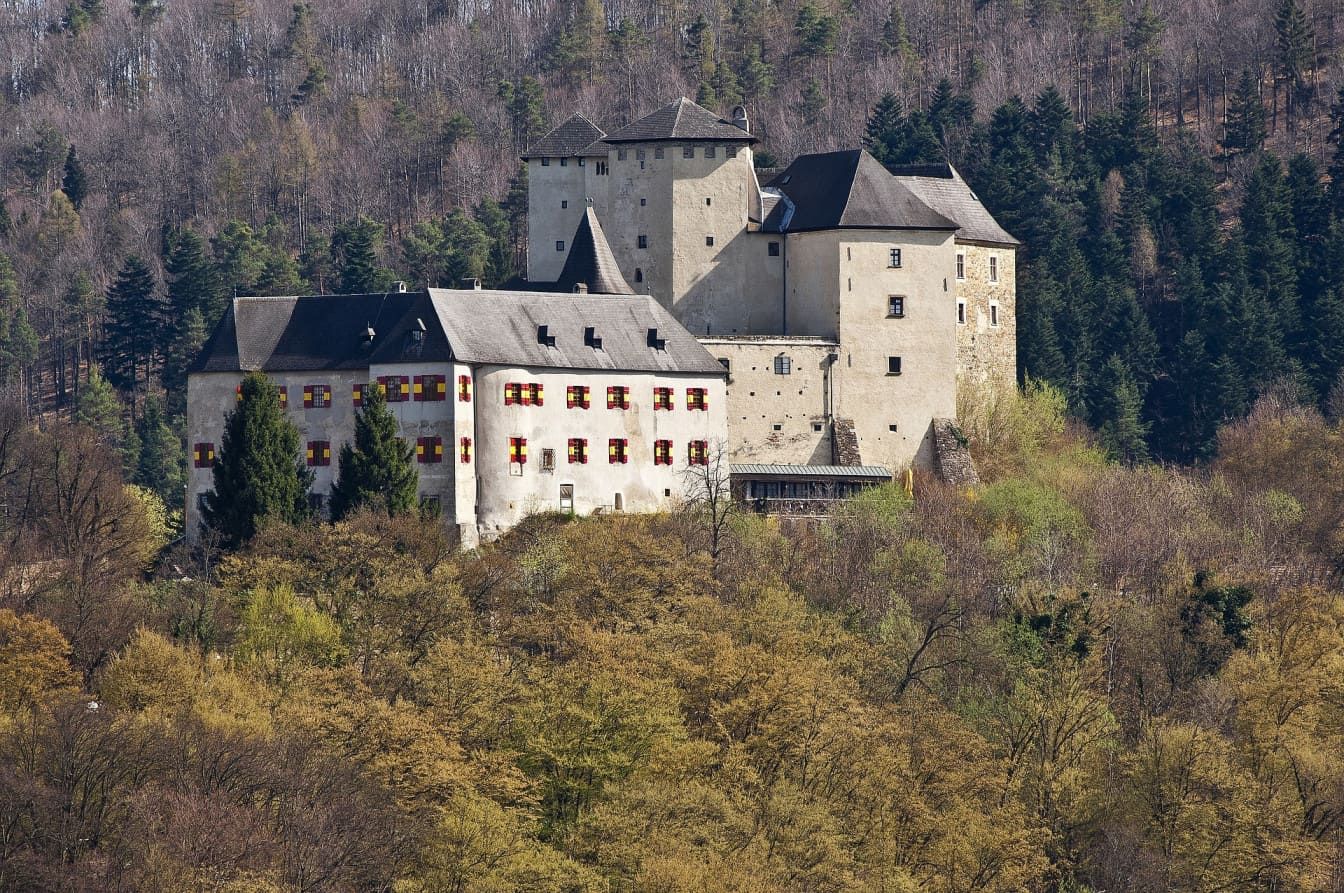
(740, 118)
(399, 286)
(471, 283)
(580, 288)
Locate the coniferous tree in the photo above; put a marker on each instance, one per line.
(74, 182)
(98, 408)
(813, 101)
(354, 255)
(1294, 40)
(193, 281)
(377, 471)
(137, 319)
(259, 475)
(1245, 131)
(182, 351)
(1123, 432)
(160, 465)
(1336, 167)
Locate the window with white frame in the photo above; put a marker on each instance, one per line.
(961, 266)
(993, 269)
(894, 257)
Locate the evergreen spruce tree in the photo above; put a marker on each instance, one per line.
(1294, 40)
(161, 464)
(755, 75)
(377, 471)
(193, 282)
(884, 133)
(1271, 246)
(99, 409)
(74, 183)
(1123, 432)
(354, 255)
(1245, 130)
(6, 222)
(1336, 168)
(137, 323)
(239, 259)
(813, 101)
(259, 474)
(182, 350)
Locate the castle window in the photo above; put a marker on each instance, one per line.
(658, 152)
(662, 398)
(893, 365)
(464, 389)
(709, 241)
(518, 451)
(618, 451)
(357, 394)
(203, 455)
(578, 451)
(564, 203)
(581, 162)
(316, 396)
(429, 388)
(533, 394)
(428, 450)
(564, 162)
(730, 152)
(961, 313)
(591, 338)
(708, 201)
(961, 266)
(726, 363)
(643, 202)
(396, 387)
(464, 451)
(783, 365)
(896, 306)
(620, 155)
(513, 393)
(639, 153)
(618, 397)
(284, 396)
(895, 260)
(994, 313)
(639, 275)
(697, 399)
(773, 249)
(710, 151)
(601, 169)
(993, 269)
(319, 453)
(576, 396)
(697, 452)
(559, 245)
(662, 452)
(641, 164)
(688, 151)
(545, 162)
(548, 460)
(643, 242)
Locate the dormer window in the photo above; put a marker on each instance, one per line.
(655, 342)
(591, 338)
(544, 336)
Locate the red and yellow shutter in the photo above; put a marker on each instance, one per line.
(357, 392)
(405, 385)
(464, 449)
(509, 396)
(238, 393)
(418, 388)
(440, 391)
(284, 397)
(464, 388)
(611, 397)
(307, 396)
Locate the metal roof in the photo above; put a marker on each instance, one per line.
(680, 120)
(849, 189)
(828, 471)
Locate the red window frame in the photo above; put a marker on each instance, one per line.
(284, 396)
(697, 398)
(428, 449)
(397, 388)
(357, 394)
(518, 450)
(316, 396)
(662, 398)
(577, 396)
(319, 453)
(429, 388)
(533, 394)
(464, 450)
(513, 393)
(618, 397)
(578, 451)
(203, 455)
(662, 452)
(464, 389)
(618, 451)
(697, 452)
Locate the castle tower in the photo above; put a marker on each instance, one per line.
(566, 170)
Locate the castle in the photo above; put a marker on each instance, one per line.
(845, 302)
(816, 327)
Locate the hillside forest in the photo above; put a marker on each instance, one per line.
(1170, 165)
(1078, 676)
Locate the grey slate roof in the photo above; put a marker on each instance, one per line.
(836, 471)
(590, 261)
(572, 138)
(682, 120)
(940, 187)
(319, 332)
(850, 189)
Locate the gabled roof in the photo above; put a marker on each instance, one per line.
(326, 332)
(570, 139)
(851, 190)
(590, 261)
(940, 187)
(682, 120)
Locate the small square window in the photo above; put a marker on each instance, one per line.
(710, 151)
(464, 450)
(396, 387)
(730, 152)
(564, 203)
(581, 162)
(708, 201)
(428, 450)
(961, 266)
(548, 460)
(726, 363)
(545, 162)
(564, 162)
(892, 427)
(643, 242)
(639, 153)
(773, 249)
(894, 257)
(318, 454)
(658, 152)
(709, 241)
(777, 427)
(816, 426)
(688, 151)
(559, 245)
(893, 365)
(643, 202)
(203, 455)
(896, 306)
(783, 365)
(620, 155)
